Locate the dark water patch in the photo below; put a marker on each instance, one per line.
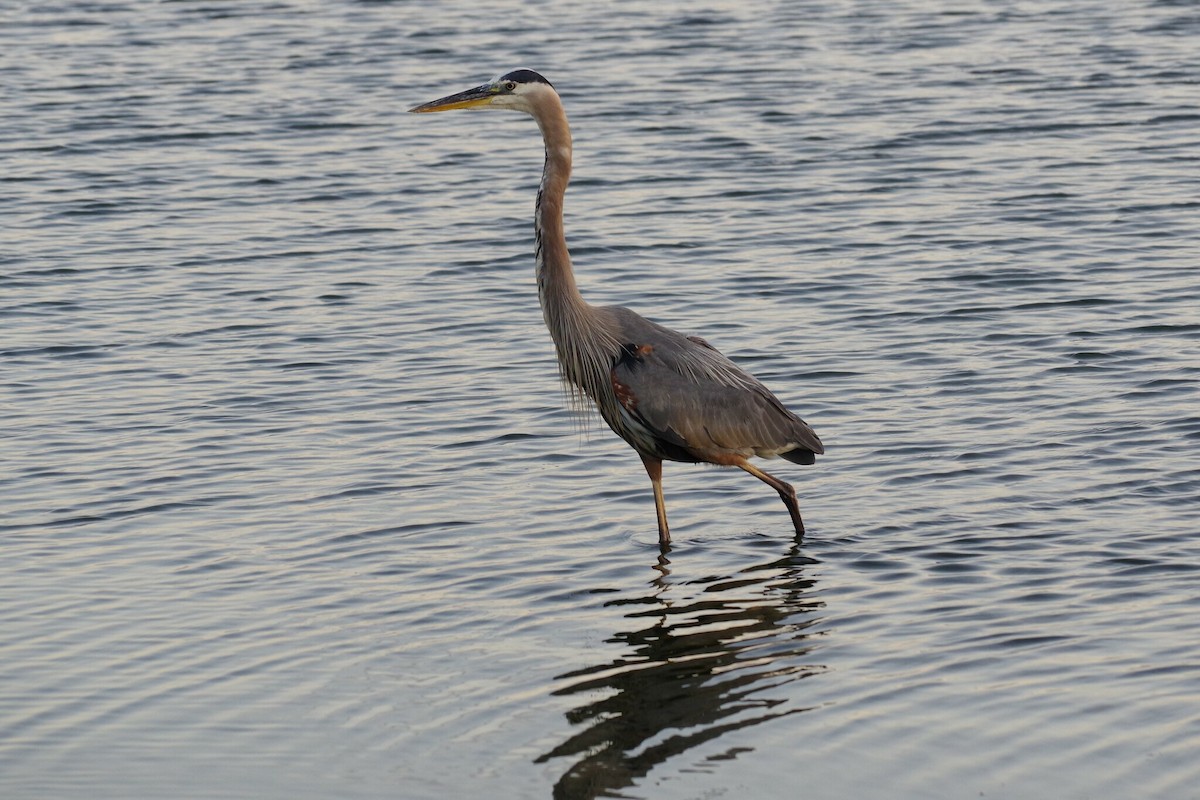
(60, 351)
(1185, 329)
(116, 514)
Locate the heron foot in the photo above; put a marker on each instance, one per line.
(793, 507)
(786, 493)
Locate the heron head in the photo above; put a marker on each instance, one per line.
(516, 90)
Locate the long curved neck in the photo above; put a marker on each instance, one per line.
(555, 278)
(585, 348)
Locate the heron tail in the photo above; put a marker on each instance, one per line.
(800, 456)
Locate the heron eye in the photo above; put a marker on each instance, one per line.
(510, 86)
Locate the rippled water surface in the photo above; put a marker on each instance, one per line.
(293, 508)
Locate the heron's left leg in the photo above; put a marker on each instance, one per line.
(786, 492)
(654, 470)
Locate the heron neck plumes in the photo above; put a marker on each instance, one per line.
(585, 347)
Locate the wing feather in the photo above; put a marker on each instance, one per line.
(688, 394)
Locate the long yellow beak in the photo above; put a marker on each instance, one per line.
(471, 98)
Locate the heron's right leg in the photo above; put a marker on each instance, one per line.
(786, 493)
(654, 470)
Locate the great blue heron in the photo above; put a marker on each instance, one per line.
(668, 395)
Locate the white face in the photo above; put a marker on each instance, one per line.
(516, 96)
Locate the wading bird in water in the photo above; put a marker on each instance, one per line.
(668, 395)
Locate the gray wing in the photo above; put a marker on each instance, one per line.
(690, 396)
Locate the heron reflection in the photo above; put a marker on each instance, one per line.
(701, 661)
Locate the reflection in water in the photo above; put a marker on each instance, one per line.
(702, 659)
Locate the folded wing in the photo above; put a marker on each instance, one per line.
(682, 391)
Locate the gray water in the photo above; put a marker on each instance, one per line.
(293, 506)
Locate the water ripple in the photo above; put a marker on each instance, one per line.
(293, 506)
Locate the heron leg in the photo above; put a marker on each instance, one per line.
(654, 470)
(786, 493)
